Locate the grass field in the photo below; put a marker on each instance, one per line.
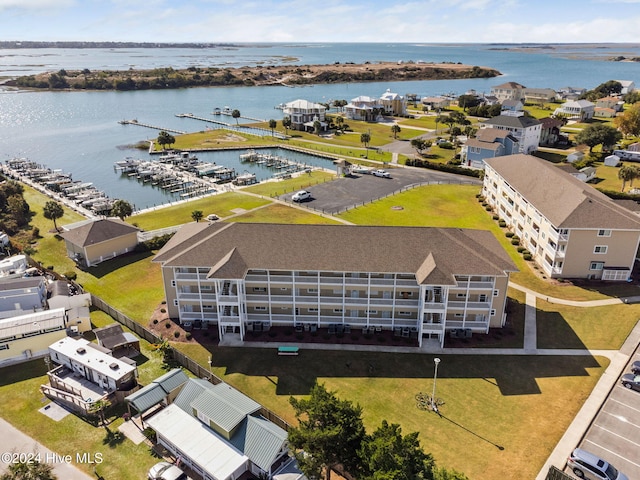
(273, 189)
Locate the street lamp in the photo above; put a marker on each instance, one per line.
(434, 404)
(210, 374)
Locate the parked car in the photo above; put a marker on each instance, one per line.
(381, 173)
(212, 217)
(301, 196)
(166, 471)
(590, 466)
(635, 368)
(631, 381)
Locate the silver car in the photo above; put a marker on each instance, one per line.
(587, 465)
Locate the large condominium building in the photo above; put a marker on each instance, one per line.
(420, 280)
(571, 229)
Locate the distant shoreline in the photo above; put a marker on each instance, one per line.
(279, 75)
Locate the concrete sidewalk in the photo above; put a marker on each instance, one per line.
(13, 441)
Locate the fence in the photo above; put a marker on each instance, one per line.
(144, 236)
(184, 360)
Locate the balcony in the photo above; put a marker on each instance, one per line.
(473, 325)
(474, 285)
(205, 297)
(470, 305)
(227, 299)
(435, 306)
(191, 316)
(187, 276)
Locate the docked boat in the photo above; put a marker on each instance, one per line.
(245, 178)
(216, 111)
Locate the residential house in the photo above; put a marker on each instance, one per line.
(28, 336)
(94, 242)
(628, 86)
(364, 108)
(220, 434)
(435, 103)
(508, 91)
(19, 296)
(550, 134)
(526, 130)
(579, 110)
(634, 147)
(76, 305)
(433, 281)
(570, 93)
(304, 114)
(608, 107)
(571, 229)
(393, 104)
(489, 143)
(511, 107)
(13, 267)
(539, 95)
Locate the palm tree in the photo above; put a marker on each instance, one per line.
(625, 174)
(197, 215)
(52, 211)
(29, 470)
(98, 407)
(236, 114)
(272, 125)
(339, 122)
(286, 123)
(395, 129)
(365, 138)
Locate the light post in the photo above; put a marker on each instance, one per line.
(210, 374)
(434, 404)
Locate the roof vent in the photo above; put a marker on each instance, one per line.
(81, 351)
(114, 366)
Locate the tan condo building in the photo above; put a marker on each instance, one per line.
(413, 280)
(571, 229)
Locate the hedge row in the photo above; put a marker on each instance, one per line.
(443, 167)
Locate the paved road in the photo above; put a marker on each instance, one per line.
(13, 441)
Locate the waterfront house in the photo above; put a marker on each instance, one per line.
(570, 93)
(579, 110)
(393, 104)
(511, 107)
(28, 336)
(413, 281)
(304, 114)
(435, 103)
(628, 86)
(489, 143)
(96, 241)
(220, 434)
(539, 95)
(19, 296)
(13, 267)
(364, 108)
(550, 135)
(571, 229)
(526, 130)
(508, 91)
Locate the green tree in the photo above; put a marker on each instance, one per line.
(197, 215)
(165, 138)
(272, 125)
(330, 431)
(286, 123)
(339, 104)
(418, 144)
(388, 455)
(629, 122)
(53, 211)
(467, 101)
(626, 174)
(340, 123)
(236, 114)
(98, 407)
(598, 134)
(317, 127)
(18, 209)
(121, 209)
(365, 138)
(395, 129)
(29, 470)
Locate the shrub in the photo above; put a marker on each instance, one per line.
(527, 256)
(71, 275)
(495, 217)
(176, 334)
(155, 321)
(502, 223)
(163, 310)
(50, 268)
(515, 241)
(35, 232)
(187, 335)
(521, 249)
(487, 208)
(509, 234)
(167, 325)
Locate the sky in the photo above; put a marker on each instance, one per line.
(244, 21)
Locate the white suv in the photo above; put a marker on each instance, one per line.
(166, 471)
(301, 196)
(587, 465)
(381, 173)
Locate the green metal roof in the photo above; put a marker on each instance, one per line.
(263, 441)
(172, 379)
(146, 397)
(225, 406)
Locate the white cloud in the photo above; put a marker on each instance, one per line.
(35, 4)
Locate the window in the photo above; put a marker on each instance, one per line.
(496, 293)
(260, 309)
(596, 266)
(173, 283)
(493, 312)
(312, 310)
(337, 310)
(372, 312)
(600, 249)
(404, 314)
(175, 302)
(7, 339)
(312, 290)
(461, 295)
(205, 287)
(259, 289)
(604, 233)
(4, 346)
(482, 297)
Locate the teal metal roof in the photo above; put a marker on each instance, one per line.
(172, 379)
(146, 397)
(191, 390)
(263, 441)
(219, 406)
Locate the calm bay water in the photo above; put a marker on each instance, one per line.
(79, 133)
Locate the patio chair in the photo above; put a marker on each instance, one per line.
(314, 328)
(332, 329)
(347, 328)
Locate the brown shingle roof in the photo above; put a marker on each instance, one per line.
(563, 199)
(229, 250)
(98, 231)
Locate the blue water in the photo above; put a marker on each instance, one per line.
(79, 131)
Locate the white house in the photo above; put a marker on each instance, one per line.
(526, 130)
(576, 110)
(628, 86)
(508, 91)
(364, 108)
(22, 295)
(393, 103)
(304, 114)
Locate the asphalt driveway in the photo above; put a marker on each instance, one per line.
(347, 192)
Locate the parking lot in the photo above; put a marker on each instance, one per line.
(346, 192)
(614, 434)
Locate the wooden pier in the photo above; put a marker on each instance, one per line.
(136, 122)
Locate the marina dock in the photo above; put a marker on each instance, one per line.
(140, 124)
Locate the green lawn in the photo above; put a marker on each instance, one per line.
(280, 187)
(595, 328)
(222, 204)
